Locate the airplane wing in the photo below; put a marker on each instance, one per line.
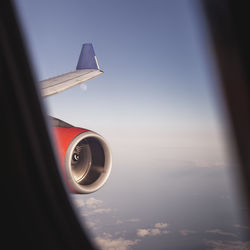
(87, 68)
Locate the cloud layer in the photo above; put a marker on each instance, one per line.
(107, 242)
(186, 232)
(218, 231)
(111, 232)
(158, 229)
(228, 245)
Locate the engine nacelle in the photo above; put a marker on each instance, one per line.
(84, 156)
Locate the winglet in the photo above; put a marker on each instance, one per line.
(87, 58)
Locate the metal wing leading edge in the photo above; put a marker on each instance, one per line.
(87, 68)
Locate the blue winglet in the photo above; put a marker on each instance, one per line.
(87, 58)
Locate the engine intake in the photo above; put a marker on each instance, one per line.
(87, 162)
(84, 155)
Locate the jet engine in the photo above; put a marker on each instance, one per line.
(84, 157)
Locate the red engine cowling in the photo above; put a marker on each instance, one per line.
(84, 157)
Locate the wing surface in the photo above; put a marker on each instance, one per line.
(87, 68)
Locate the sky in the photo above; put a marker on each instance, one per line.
(158, 105)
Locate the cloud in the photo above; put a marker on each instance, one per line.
(92, 224)
(228, 245)
(93, 203)
(157, 230)
(106, 242)
(90, 203)
(165, 232)
(150, 232)
(123, 233)
(218, 231)
(161, 225)
(78, 203)
(92, 207)
(96, 211)
(118, 222)
(143, 232)
(186, 232)
(133, 220)
(242, 227)
(119, 241)
(101, 211)
(211, 163)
